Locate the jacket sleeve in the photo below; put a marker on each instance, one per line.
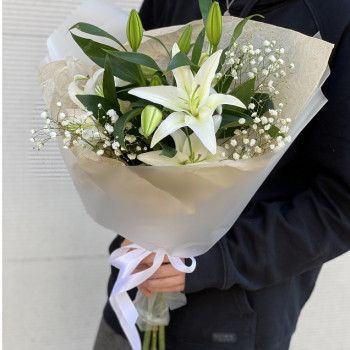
(273, 241)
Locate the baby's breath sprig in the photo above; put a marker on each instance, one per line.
(267, 68)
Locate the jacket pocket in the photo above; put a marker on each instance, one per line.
(213, 319)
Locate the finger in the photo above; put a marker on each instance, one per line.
(174, 283)
(140, 268)
(165, 289)
(166, 270)
(148, 260)
(144, 291)
(126, 242)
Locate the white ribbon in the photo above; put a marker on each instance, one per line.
(126, 261)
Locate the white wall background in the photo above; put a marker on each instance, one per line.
(55, 256)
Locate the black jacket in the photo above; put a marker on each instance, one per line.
(247, 291)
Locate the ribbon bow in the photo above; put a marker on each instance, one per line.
(126, 261)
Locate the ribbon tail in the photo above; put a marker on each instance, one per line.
(127, 317)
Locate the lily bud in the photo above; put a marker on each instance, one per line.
(134, 30)
(155, 81)
(203, 58)
(147, 71)
(151, 116)
(213, 27)
(184, 42)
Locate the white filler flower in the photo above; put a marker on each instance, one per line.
(191, 101)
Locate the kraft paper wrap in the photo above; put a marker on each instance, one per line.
(184, 210)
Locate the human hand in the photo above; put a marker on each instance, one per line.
(165, 279)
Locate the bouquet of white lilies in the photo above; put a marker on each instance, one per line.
(171, 134)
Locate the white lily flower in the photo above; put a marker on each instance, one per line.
(91, 87)
(189, 150)
(191, 101)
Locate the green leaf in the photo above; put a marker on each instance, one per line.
(179, 60)
(204, 6)
(136, 57)
(239, 29)
(245, 91)
(198, 46)
(108, 85)
(119, 126)
(224, 84)
(127, 71)
(94, 50)
(263, 103)
(93, 30)
(139, 104)
(159, 42)
(274, 131)
(167, 151)
(230, 119)
(91, 104)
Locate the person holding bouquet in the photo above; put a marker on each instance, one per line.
(248, 290)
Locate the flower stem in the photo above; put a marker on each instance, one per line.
(146, 340)
(161, 333)
(154, 338)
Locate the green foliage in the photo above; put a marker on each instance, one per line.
(198, 46)
(119, 126)
(94, 50)
(91, 103)
(137, 58)
(274, 131)
(93, 30)
(263, 103)
(179, 60)
(239, 29)
(230, 119)
(167, 151)
(127, 71)
(108, 85)
(245, 91)
(204, 6)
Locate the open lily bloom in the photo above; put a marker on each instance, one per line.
(91, 87)
(191, 101)
(189, 150)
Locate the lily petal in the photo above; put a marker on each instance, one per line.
(172, 123)
(183, 75)
(73, 90)
(154, 158)
(217, 156)
(198, 149)
(213, 101)
(217, 121)
(89, 88)
(179, 138)
(204, 129)
(206, 74)
(184, 78)
(167, 96)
